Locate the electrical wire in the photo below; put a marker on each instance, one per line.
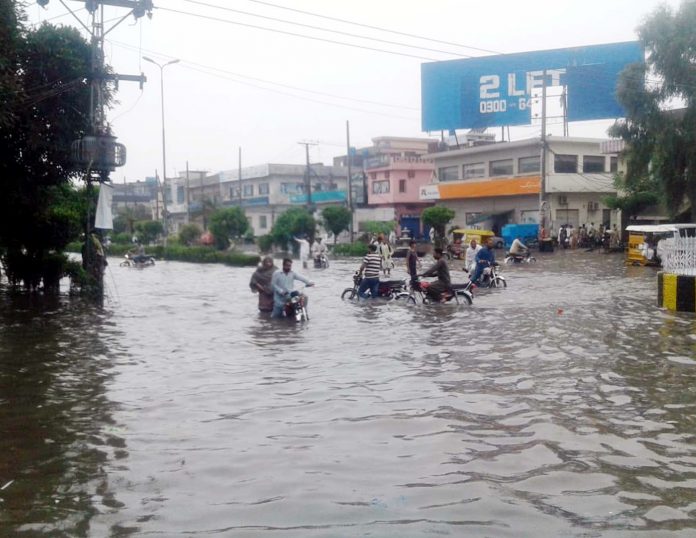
(285, 32)
(322, 29)
(264, 81)
(381, 29)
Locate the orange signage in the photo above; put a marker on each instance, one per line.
(485, 189)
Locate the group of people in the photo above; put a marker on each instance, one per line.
(588, 236)
(275, 287)
(317, 249)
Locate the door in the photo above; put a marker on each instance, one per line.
(413, 225)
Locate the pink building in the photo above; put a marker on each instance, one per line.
(395, 175)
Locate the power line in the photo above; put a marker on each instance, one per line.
(231, 73)
(227, 21)
(322, 29)
(373, 27)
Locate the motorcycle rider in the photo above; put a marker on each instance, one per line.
(318, 250)
(436, 291)
(470, 256)
(138, 253)
(282, 283)
(371, 265)
(484, 258)
(518, 248)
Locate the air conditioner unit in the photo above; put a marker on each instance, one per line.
(562, 200)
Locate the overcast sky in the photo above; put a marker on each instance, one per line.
(266, 91)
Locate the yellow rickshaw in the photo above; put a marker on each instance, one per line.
(461, 238)
(642, 242)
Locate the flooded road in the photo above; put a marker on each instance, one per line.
(564, 405)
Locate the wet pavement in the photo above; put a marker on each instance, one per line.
(564, 405)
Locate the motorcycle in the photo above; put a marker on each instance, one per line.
(130, 261)
(295, 307)
(457, 292)
(388, 289)
(490, 278)
(519, 258)
(321, 261)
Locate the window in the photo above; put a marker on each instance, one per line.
(180, 195)
(593, 164)
(528, 165)
(263, 223)
(448, 173)
(613, 164)
(411, 174)
(402, 185)
(386, 174)
(373, 175)
(501, 168)
(565, 164)
(380, 187)
(472, 170)
(263, 188)
(292, 188)
(472, 218)
(248, 190)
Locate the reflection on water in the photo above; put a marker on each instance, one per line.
(561, 406)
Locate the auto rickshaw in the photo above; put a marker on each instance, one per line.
(461, 238)
(642, 242)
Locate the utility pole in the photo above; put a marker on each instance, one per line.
(350, 176)
(543, 206)
(239, 173)
(188, 198)
(308, 179)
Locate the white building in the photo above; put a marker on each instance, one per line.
(491, 185)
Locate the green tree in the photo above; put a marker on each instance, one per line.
(376, 227)
(661, 144)
(190, 233)
(336, 219)
(226, 224)
(295, 222)
(44, 91)
(149, 230)
(437, 217)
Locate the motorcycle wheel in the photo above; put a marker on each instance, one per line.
(304, 313)
(509, 260)
(499, 282)
(405, 297)
(531, 259)
(124, 264)
(463, 295)
(349, 294)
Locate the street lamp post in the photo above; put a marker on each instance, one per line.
(164, 146)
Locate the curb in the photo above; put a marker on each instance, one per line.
(676, 292)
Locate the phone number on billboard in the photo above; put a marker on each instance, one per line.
(501, 105)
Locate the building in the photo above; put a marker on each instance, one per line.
(138, 199)
(392, 172)
(266, 191)
(491, 185)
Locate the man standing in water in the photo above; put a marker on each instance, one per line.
(437, 289)
(261, 283)
(304, 250)
(282, 283)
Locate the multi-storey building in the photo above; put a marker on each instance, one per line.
(495, 184)
(268, 190)
(392, 171)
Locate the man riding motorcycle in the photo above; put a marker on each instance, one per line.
(318, 251)
(518, 248)
(282, 283)
(484, 258)
(437, 289)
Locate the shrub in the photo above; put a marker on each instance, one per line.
(190, 233)
(350, 249)
(265, 243)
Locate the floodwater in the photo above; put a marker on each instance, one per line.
(564, 405)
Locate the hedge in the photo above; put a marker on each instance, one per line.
(349, 249)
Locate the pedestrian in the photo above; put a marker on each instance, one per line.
(384, 250)
(304, 250)
(412, 262)
(369, 270)
(260, 283)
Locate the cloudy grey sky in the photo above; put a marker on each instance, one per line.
(247, 81)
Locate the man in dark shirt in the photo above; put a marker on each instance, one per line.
(484, 258)
(441, 271)
(412, 261)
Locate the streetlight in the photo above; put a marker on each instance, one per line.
(164, 148)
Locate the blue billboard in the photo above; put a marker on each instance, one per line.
(497, 90)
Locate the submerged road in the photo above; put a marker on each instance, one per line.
(564, 405)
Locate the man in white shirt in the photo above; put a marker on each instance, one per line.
(304, 250)
(518, 247)
(470, 256)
